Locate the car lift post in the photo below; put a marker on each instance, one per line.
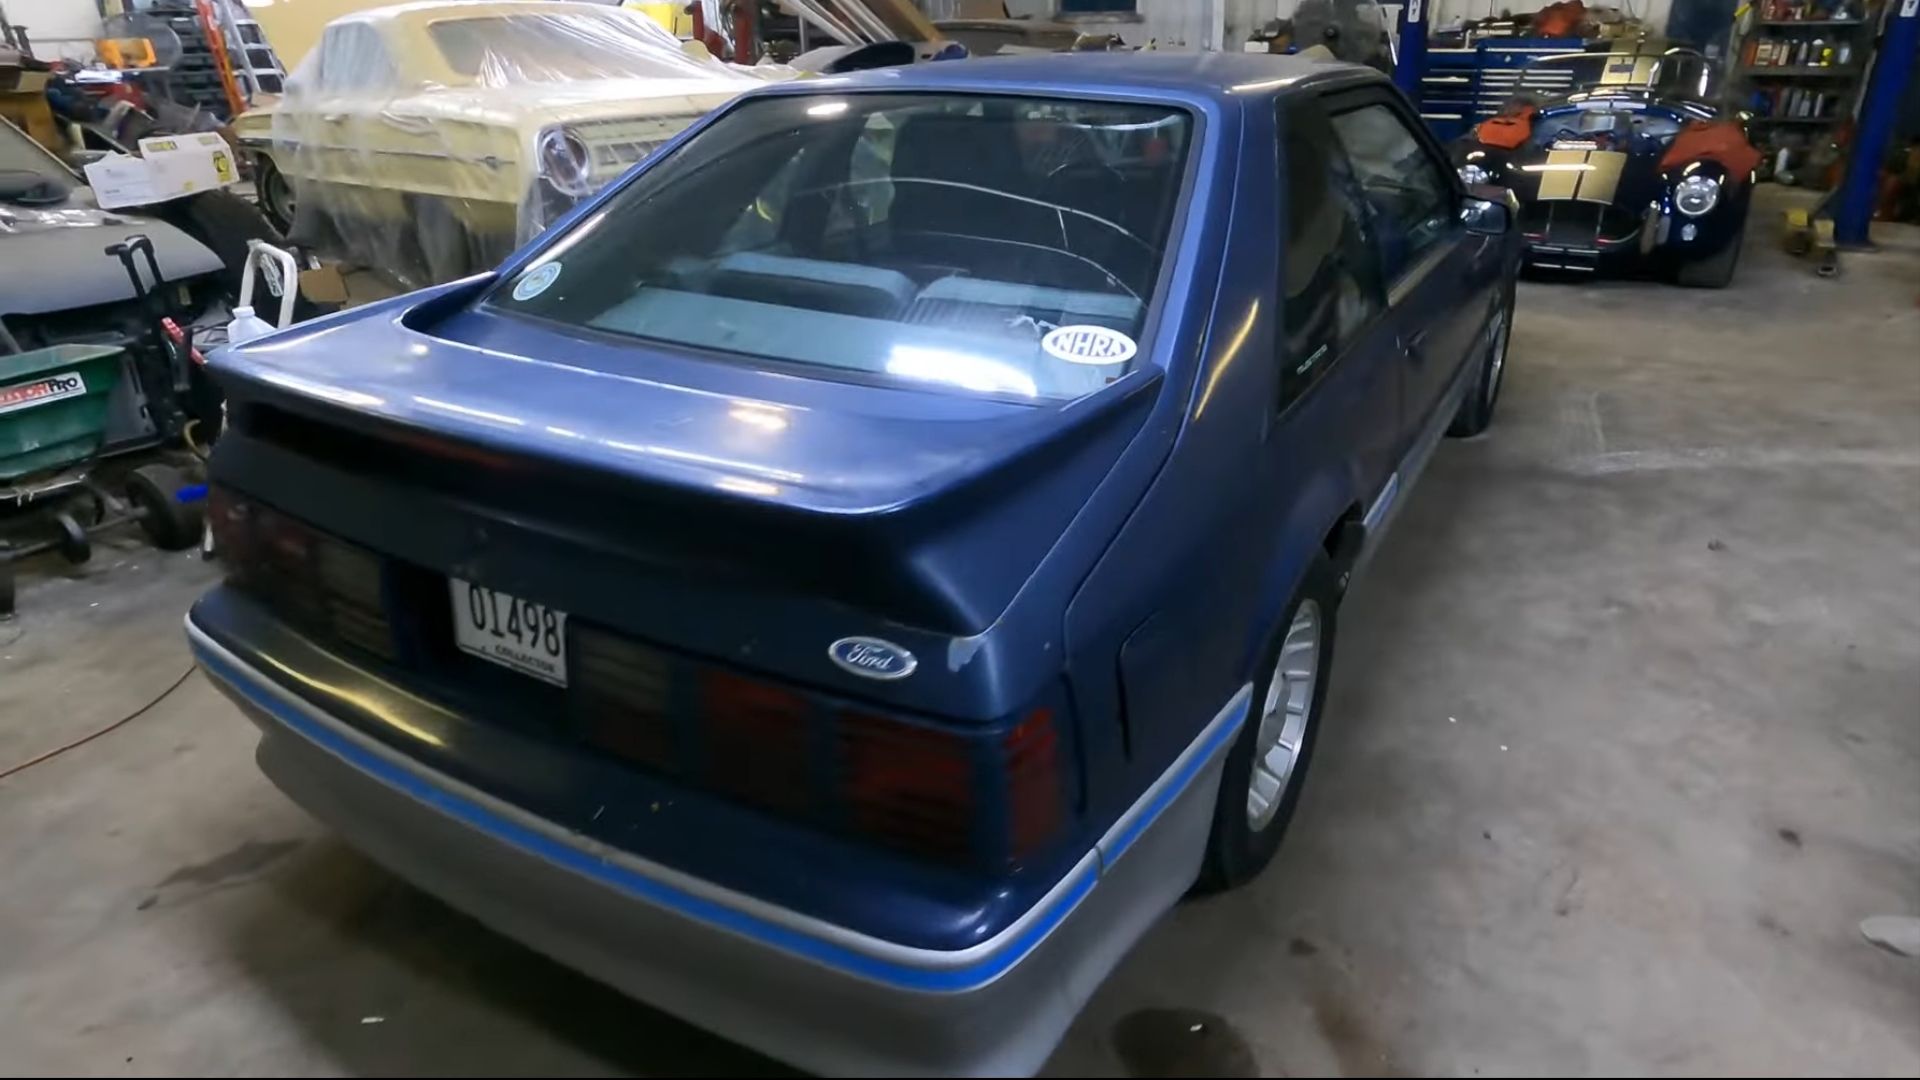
(1892, 67)
(746, 32)
(1410, 60)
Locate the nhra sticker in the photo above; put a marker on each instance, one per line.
(536, 281)
(1089, 345)
(53, 388)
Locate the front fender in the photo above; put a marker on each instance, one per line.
(1713, 230)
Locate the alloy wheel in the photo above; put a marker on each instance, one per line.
(1284, 716)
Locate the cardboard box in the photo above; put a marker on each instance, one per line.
(169, 167)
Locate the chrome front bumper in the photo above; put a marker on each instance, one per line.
(824, 997)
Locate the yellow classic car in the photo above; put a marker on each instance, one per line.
(426, 139)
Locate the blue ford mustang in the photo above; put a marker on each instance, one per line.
(843, 583)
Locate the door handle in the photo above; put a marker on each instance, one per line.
(1413, 344)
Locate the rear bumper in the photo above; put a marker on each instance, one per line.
(822, 996)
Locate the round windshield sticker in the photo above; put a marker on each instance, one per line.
(1089, 345)
(536, 281)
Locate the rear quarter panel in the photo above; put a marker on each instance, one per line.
(1173, 619)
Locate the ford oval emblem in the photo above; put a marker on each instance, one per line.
(872, 658)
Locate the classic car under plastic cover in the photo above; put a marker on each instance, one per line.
(429, 138)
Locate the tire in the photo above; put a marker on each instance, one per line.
(1716, 270)
(1476, 410)
(224, 222)
(445, 245)
(1243, 840)
(275, 193)
(172, 525)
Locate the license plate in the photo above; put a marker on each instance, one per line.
(529, 638)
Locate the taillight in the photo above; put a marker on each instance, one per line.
(230, 518)
(304, 575)
(988, 798)
(623, 692)
(1036, 791)
(985, 797)
(756, 740)
(907, 786)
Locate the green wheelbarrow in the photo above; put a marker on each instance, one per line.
(53, 413)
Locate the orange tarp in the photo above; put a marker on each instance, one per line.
(1508, 131)
(1719, 141)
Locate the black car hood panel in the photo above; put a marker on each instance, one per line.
(54, 258)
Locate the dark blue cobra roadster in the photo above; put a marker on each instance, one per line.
(1632, 161)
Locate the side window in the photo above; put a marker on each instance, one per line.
(1328, 274)
(1411, 198)
(353, 60)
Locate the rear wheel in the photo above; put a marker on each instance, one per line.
(446, 247)
(170, 523)
(1716, 270)
(1264, 772)
(1476, 409)
(276, 193)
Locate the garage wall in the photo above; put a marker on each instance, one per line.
(68, 27)
(1245, 15)
(1172, 23)
(56, 27)
(1192, 23)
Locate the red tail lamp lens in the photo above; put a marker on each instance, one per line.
(1035, 799)
(907, 786)
(624, 693)
(231, 519)
(756, 741)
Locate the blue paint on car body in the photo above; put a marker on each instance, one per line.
(783, 443)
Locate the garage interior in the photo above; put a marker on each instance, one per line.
(1622, 747)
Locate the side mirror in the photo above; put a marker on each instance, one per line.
(1488, 210)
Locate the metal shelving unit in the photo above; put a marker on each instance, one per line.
(194, 78)
(1799, 102)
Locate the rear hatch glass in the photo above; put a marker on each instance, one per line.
(976, 243)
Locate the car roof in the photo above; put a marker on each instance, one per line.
(1221, 76)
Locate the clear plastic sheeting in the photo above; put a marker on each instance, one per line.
(427, 139)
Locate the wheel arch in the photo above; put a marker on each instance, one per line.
(1327, 519)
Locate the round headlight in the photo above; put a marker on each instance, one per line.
(1696, 195)
(1471, 174)
(565, 162)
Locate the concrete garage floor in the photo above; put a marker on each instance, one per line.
(1625, 739)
